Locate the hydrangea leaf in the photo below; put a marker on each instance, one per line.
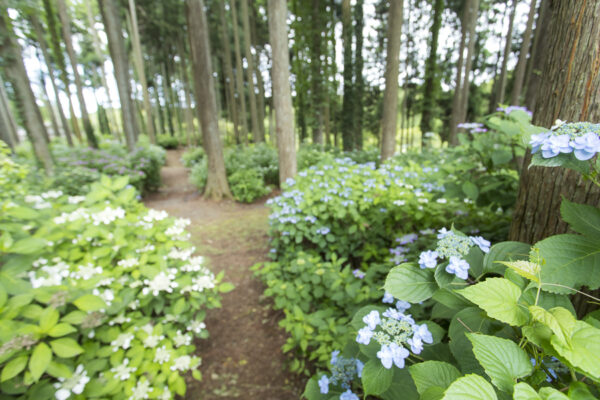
(582, 218)
(402, 387)
(430, 374)
(580, 391)
(499, 298)
(90, 302)
(470, 387)
(470, 319)
(548, 393)
(523, 391)
(570, 260)
(503, 361)
(504, 251)
(13, 368)
(524, 268)
(313, 392)
(66, 347)
(581, 349)
(40, 358)
(410, 283)
(433, 393)
(376, 379)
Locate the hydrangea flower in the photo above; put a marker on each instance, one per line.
(483, 244)
(162, 355)
(586, 146)
(392, 353)
(73, 385)
(161, 282)
(141, 390)
(122, 341)
(364, 335)
(358, 274)
(458, 267)
(122, 371)
(324, 384)
(372, 319)
(387, 298)
(428, 259)
(348, 395)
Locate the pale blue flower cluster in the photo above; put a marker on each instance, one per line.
(580, 138)
(395, 332)
(343, 371)
(508, 109)
(473, 127)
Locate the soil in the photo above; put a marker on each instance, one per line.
(242, 358)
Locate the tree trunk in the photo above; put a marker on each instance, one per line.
(390, 96)
(259, 78)
(282, 97)
(431, 84)
(47, 104)
(12, 63)
(116, 46)
(522, 63)
(239, 71)
(464, 101)
(507, 50)
(66, 31)
(216, 183)
(454, 118)
(8, 126)
(230, 84)
(256, 134)
(538, 55)
(316, 72)
(138, 61)
(569, 90)
(188, 112)
(359, 82)
(348, 104)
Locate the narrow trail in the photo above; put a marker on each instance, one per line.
(242, 358)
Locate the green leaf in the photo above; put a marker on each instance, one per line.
(470, 387)
(226, 287)
(430, 374)
(470, 190)
(66, 347)
(526, 269)
(312, 390)
(580, 391)
(503, 361)
(29, 245)
(470, 319)
(499, 298)
(13, 368)
(410, 283)
(89, 302)
(58, 370)
(581, 348)
(61, 329)
(570, 260)
(376, 379)
(402, 387)
(525, 392)
(48, 319)
(504, 251)
(582, 218)
(548, 393)
(40, 358)
(433, 393)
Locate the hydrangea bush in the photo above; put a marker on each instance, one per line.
(100, 297)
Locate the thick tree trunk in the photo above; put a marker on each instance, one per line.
(466, 85)
(390, 96)
(138, 61)
(12, 64)
(48, 105)
(256, 133)
(228, 66)
(454, 118)
(66, 31)
(569, 90)
(538, 55)
(359, 82)
(216, 183)
(522, 63)
(188, 112)
(239, 71)
(8, 126)
(116, 46)
(430, 86)
(507, 50)
(348, 100)
(316, 42)
(282, 97)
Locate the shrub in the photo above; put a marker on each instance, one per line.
(193, 156)
(167, 141)
(99, 296)
(247, 185)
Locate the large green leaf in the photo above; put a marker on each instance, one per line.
(579, 391)
(503, 361)
(410, 283)
(470, 319)
(89, 302)
(499, 298)
(548, 393)
(402, 387)
(570, 260)
(28, 245)
(525, 392)
(40, 358)
(13, 368)
(504, 251)
(66, 347)
(581, 218)
(430, 374)
(376, 379)
(582, 348)
(470, 387)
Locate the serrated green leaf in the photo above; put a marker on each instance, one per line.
(503, 361)
(61, 329)
(433, 393)
(29, 245)
(48, 319)
(504, 251)
(59, 370)
(402, 387)
(90, 302)
(376, 379)
(410, 283)
(40, 358)
(523, 391)
(499, 298)
(470, 319)
(580, 391)
(470, 190)
(66, 347)
(582, 218)
(581, 348)
(470, 387)
(430, 374)
(226, 287)
(13, 368)
(524, 268)
(548, 393)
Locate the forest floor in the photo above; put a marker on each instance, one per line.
(242, 358)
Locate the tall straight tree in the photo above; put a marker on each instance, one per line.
(349, 98)
(507, 51)
(522, 63)
(217, 186)
(230, 83)
(12, 63)
(8, 126)
(359, 81)
(538, 55)
(116, 46)
(138, 61)
(239, 71)
(65, 21)
(389, 119)
(431, 84)
(316, 71)
(569, 90)
(256, 132)
(282, 97)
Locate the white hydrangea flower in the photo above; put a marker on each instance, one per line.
(49, 275)
(145, 249)
(166, 394)
(108, 215)
(141, 390)
(162, 355)
(148, 328)
(75, 199)
(107, 295)
(122, 371)
(120, 320)
(86, 272)
(182, 255)
(200, 283)
(123, 340)
(181, 363)
(155, 215)
(80, 213)
(182, 339)
(153, 340)
(195, 264)
(161, 282)
(73, 385)
(128, 263)
(52, 194)
(196, 326)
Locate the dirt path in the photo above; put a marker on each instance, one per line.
(242, 359)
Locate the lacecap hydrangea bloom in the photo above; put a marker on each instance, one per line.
(580, 138)
(343, 371)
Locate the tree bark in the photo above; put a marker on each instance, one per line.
(538, 55)
(228, 66)
(12, 63)
(569, 90)
(316, 51)
(390, 96)
(282, 97)
(217, 186)
(189, 114)
(466, 86)
(239, 71)
(259, 77)
(359, 82)
(116, 46)
(522, 63)
(507, 50)
(348, 99)
(256, 132)
(8, 126)
(66, 31)
(48, 105)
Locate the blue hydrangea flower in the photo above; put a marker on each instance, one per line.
(483, 244)
(422, 332)
(388, 298)
(402, 305)
(458, 267)
(359, 367)
(538, 140)
(372, 319)
(324, 384)
(358, 274)
(392, 354)
(323, 231)
(334, 356)
(586, 146)
(556, 144)
(348, 395)
(416, 345)
(442, 233)
(364, 335)
(428, 259)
